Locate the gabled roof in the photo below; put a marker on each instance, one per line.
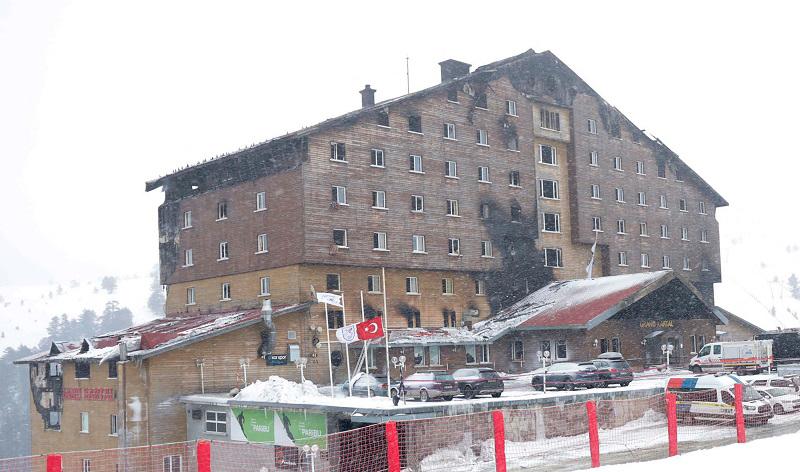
(732, 317)
(579, 304)
(162, 335)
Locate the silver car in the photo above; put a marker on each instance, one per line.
(426, 386)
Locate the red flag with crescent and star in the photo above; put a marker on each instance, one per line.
(370, 329)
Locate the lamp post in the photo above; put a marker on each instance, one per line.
(311, 453)
(543, 356)
(667, 349)
(401, 389)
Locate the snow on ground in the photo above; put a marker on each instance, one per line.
(25, 311)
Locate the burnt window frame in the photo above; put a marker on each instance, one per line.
(85, 367)
(415, 124)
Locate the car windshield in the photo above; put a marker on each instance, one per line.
(750, 393)
(780, 391)
(489, 374)
(620, 364)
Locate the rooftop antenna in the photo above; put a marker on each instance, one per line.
(408, 78)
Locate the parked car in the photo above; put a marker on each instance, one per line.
(427, 386)
(367, 385)
(612, 368)
(764, 380)
(711, 397)
(478, 381)
(565, 375)
(782, 399)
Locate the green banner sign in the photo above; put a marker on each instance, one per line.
(305, 428)
(283, 428)
(256, 425)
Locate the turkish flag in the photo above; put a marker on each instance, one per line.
(370, 329)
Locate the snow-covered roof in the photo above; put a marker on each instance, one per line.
(433, 336)
(160, 335)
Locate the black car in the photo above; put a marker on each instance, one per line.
(565, 375)
(613, 369)
(478, 381)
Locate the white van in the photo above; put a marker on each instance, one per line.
(711, 397)
(740, 357)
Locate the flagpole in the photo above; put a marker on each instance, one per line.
(386, 334)
(347, 351)
(366, 345)
(330, 362)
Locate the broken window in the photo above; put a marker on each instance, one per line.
(415, 124)
(332, 283)
(338, 152)
(547, 155)
(481, 101)
(516, 213)
(551, 222)
(452, 94)
(382, 118)
(335, 319)
(449, 318)
(512, 143)
(414, 319)
(83, 370)
(112, 369)
(340, 237)
(485, 211)
(662, 169)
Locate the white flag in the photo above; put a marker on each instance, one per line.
(330, 299)
(347, 334)
(591, 261)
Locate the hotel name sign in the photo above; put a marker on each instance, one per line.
(649, 324)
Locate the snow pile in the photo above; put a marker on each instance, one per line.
(276, 389)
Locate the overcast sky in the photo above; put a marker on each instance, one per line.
(98, 97)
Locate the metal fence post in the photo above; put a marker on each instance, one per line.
(594, 436)
(392, 447)
(499, 441)
(672, 424)
(738, 391)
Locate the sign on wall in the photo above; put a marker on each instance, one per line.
(278, 359)
(89, 394)
(282, 428)
(650, 324)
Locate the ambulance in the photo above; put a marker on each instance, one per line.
(711, 397)
(740, 357)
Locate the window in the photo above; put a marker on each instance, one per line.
(561, 349)
(84, 422)
(112, 425)
(592, 126)
(597, 224)
(511, 108)
(593, 159)
(665, 264)
(379, 199)
(226, 292)
(621, 227)
(86, 465)
(112, 369)
(222, 211)
(645, 260)
(412, 285)
(547, 155)
(615, 345)
(454, 247)
(262, 244)
(619, 195)
(261, 201)
(483, 174)
(482, 137)
(640, 167)
(450, 169)
(434, 355)
(704, 265)
(338, 152)
(333, 283)
(486, 249)
(216, 422)
(485, 211)
(513, 178)
(264, 286)
(678, 175)
(415, 124)
(383, 118)
(617, 163)
(548, 189)
(663, 202)
(552, 257)
(595, 191)
(452, 94)
(188, 260)
(376, 158)
(480, 100)
(418, 243)
(622, 258)
(335, 319)
(516, 213)
(374, 284)
(642, 199)
(517, 350)
(604, 345)
(682, 205)
(703, 236)
(187, 219)
(340, 237)
(449, 131)
(415, 163)
(694, 343)
(173, 463)
(190, 296)
(419, 355)
(551, 222)
(662, 169)
(686, 265)
(512, 143)
(480, 287)
(447, 286)
(701, 208)
(452, 208)
(417, 203)
(664, 232)
(413, 318)
(379, 241)
(684, 234)
(223, 251)
(83, 370)
(477, 353)
(643, 229)
(549, 120)
(339, 195)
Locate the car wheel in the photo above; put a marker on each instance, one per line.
(696, 369)
(568, 385)
(497, 394)
(624, 384)
(447, 398)
(778, 409)
(423, 395)
(469, 392)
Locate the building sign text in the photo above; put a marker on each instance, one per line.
(89, 394)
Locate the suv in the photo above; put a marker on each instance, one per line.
(427, 385)
(478, 381)
(565, 375)
(612, 368)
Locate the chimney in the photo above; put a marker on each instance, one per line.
(367, 97)
(453, 69)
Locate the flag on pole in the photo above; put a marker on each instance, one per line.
(347, 334)
(591, 261)
(369, 329)
(330, 299)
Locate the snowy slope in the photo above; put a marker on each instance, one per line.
(25, 311)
